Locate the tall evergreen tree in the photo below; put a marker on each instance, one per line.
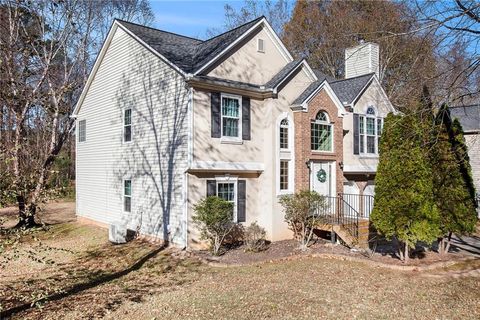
(404, 205)
(452, 180)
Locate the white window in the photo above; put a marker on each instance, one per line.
(284, 174)
(127, 195)
(231, 115)
(227, 190)
(285, 155)
(321, 133)
(261, 45)
(284, 134)
(82, 130)
(370, 130)
(127, 125)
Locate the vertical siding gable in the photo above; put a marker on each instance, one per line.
(132, 76)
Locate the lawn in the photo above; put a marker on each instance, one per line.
(94, 279)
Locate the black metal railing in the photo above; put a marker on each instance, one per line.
(363, 204)
(345, 210)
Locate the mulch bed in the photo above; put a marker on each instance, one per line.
(289, 249)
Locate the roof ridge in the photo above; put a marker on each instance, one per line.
(363, 75)
(164, 31)
(240, 26)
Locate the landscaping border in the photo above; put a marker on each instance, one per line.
(343, 257)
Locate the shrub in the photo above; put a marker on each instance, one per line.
(214, 217)
(254, 237)
(404, 204)
(300, 209)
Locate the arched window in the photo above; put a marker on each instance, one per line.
(284, 134)
(285, 156)
(322, 133)
(370, 130)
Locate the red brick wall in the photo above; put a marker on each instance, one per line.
(303, 153)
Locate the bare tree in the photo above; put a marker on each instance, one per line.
(277, 13)
(47, 49)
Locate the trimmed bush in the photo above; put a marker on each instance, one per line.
(214, 217)
(300, 209)
(254, 237)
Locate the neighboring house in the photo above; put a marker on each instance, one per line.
(469, 117)
(165, 120)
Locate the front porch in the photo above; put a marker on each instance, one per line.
(346, 216)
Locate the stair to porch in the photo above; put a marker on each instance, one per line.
(339, 215)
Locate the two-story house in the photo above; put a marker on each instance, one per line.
(165, 120)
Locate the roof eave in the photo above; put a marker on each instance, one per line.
(212, 85)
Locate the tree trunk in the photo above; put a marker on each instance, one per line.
(406, 255)
(25, 220)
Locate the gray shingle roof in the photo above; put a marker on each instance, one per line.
(186, 53)
(280, 76)
(348, 89)
(307, 92)
(469, 116)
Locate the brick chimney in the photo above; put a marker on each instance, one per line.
(362, 59)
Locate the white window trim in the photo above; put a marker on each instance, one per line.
(227, 139)
(234, 180)
(332, 130)
(261, 50)
(363, 118)
(125, 196)
(123, 125)
(285, 154)
(78, 131)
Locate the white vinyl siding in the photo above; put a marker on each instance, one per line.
(130, 76)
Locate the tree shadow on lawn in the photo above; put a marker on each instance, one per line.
(100, 280)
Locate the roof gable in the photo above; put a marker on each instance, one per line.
(193, 55)
(348, 90)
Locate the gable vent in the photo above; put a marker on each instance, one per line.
(261, 45)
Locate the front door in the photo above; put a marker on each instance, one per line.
(322, 178)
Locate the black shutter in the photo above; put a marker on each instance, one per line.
(246, 118)
(356, 134)
(215, 111)
(241, 200)
(211, 188)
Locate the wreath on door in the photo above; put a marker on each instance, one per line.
(321, 175)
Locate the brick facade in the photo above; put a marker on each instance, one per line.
(303, 152)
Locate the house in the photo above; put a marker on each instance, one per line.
(469, 118)
(165, 120)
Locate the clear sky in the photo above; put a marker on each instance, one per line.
(191, 18)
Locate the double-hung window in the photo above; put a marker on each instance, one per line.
(227, 190)
(231, 115)
(370, 129)
(321, 133)
(127, 125)
(82, 130)
(127, 195)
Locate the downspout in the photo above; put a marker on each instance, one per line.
(189, 163)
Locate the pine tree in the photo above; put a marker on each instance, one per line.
(452, 180)
(404, 205)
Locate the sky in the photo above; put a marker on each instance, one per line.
(190, 18)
